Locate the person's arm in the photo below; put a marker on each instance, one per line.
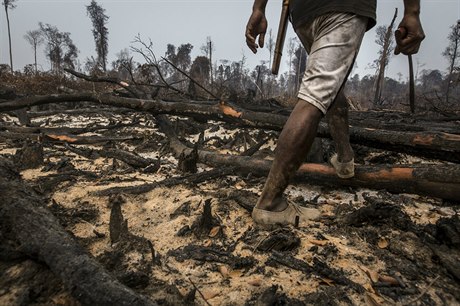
(409, 34)
(257, 25)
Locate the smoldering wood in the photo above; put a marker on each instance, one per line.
(40, 236)
(436, 145)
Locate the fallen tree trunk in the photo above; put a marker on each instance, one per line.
(62, 138)
(127, 157)
(97, 111)
(63, 130)
(442, 181)
(24, 218)
(431, 145)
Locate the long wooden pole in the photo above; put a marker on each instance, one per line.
(280, 37)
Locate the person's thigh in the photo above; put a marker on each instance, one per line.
(332, 42)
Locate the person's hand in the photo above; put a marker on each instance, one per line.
(257, 26)
(409, 35)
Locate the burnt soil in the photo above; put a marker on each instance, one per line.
(198, 242)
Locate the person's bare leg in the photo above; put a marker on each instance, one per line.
(291, 150)
(337, 118)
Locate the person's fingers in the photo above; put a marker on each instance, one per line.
(408, 42)
(252, 46)
(410, 45)
(411, 50)
(261, 40)
(251, 41)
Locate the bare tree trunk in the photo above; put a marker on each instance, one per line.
(411, 86)
(383, 61)
(35, 57)
(210, 60)
(452, 63)
(9, 38)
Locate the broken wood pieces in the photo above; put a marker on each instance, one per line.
(132, 159)
(211, 254)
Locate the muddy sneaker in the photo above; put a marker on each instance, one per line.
(292, 214)
(343, 170)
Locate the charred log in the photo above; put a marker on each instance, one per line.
(40, 236)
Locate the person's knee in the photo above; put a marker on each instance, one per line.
(308, 109)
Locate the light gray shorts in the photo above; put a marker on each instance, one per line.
(332, 42)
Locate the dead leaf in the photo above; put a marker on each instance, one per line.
(240, 185)
(369, 287)
(388, 279)
(214, 231)
(256, 282)
(236, 273)
(382, 243)
(319, 242)
(373, 299)
(209, 293)
(207, 243)
(374, 276)
(224, 271)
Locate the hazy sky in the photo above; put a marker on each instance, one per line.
(191, 21)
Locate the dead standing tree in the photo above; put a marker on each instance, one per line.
(100, 32)
(146, 51)
(9, 4)
(35, 39)
(452, 54)
(384, 39)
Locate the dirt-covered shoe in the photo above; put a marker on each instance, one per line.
(292, 214)
(343, 170)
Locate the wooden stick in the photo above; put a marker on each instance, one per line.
(411, 85)
(280, 38)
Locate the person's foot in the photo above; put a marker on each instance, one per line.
(343, 169)
(293, 214)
